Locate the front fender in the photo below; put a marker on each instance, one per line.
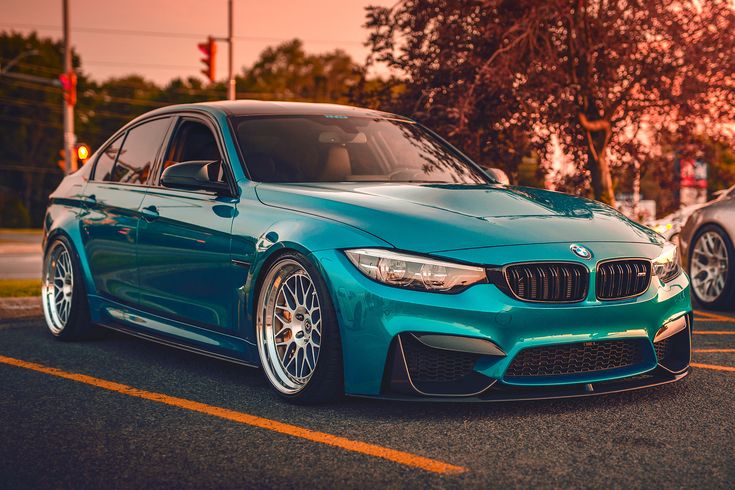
(261, 232)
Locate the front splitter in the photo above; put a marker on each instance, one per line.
(500, 392)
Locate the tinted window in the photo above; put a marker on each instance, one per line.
(348, 149)
(106, 160)
(138, 152)
(193, 141)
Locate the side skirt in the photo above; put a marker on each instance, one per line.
(149, 326)
(177, 345)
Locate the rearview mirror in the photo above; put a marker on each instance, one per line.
(498, 175)
(197, 175)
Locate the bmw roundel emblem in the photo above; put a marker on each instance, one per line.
(580, 251)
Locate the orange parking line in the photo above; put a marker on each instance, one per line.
(714, 350)
(714, 316)
(728, 369)
(713, 332)
(400, 457)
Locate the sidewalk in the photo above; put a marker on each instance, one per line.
(20, 254)
(18, 308)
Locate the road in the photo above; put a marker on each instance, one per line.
(20, 255)
(123, 412)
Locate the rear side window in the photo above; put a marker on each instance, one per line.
(138, 153)
(103, 169)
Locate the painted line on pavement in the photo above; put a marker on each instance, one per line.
(715, 367)
(400, 457)
(714, 316)
(714, 350)
(713, 332)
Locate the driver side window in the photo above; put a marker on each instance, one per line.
(194, 141)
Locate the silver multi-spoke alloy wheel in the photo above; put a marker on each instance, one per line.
(709, 266)
(57, 288)
(289, 326)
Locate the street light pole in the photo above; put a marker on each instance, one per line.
(68, 108)
(230, 55)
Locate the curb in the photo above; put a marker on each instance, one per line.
(12, 308)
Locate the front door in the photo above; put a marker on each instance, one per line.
(184, 242)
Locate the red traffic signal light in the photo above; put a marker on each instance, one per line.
(69, 86)
(210, 53)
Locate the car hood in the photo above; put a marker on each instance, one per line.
(441, 217)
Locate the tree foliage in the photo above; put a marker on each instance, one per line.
(287, 72)
(501, 76)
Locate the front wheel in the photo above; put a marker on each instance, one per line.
(712, 268)
(297, 332)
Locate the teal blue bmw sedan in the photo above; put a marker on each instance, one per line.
(351, 251)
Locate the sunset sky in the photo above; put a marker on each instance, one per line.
(173, 28)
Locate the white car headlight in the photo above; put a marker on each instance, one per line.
(414, 272)
(667, 266)
(662, 228)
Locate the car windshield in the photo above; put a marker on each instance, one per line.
(348, 149)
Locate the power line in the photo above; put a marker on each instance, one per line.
(29, 169)
(140, 65)
(167, 34)
(162, 90)
(28, 120)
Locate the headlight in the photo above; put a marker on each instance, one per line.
(414, 272)
(666, 266)
(662, 228)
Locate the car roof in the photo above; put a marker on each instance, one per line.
(274, 108)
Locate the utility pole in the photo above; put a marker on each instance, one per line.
(230, 54)
(68, 108)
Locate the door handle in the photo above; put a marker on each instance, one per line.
(150, 213)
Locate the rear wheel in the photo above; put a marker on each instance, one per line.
(711, 268)
(65, 304)
(297, 332)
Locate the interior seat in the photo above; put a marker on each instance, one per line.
(337, 166)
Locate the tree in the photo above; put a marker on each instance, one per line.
(595, 73)
(30, 127)
(288, 72)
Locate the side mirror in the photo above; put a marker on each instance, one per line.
(197, 175)
(498, 175)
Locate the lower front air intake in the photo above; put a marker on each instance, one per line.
(418, 368)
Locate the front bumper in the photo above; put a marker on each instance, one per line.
(373, 316)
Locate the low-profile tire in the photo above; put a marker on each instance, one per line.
(64, 298)
(297, 332)
(712, 268)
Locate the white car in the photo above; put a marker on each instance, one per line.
(670, 225)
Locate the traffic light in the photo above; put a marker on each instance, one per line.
(62, 160)
(210, 53)
(79, 157)
(69, 86)
(83, 152)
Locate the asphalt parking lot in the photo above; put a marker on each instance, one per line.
(122, 412)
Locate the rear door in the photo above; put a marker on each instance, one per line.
(184, 239)
(112, 199)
